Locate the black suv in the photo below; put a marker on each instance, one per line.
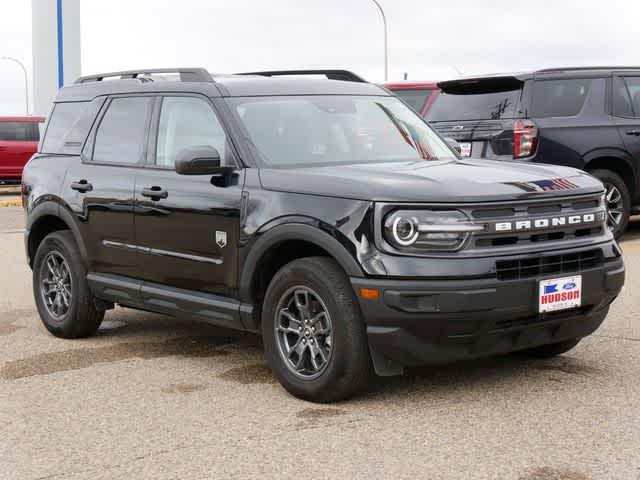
(587, 118)
(322, 213)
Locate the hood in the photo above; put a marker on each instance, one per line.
(468, 180)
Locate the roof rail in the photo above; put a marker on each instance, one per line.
(562, 69)
(344, 75)
(186, 74)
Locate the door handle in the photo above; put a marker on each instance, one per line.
(81, 186)
(155, 193)
(634, 132)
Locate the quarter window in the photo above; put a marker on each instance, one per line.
(559, 98)
(122, 134)
(188, 122)
(62, 119)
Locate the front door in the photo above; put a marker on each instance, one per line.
(187, 226)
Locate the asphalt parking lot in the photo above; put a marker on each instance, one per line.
(157, 398)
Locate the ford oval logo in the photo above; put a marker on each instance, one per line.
(569, 286)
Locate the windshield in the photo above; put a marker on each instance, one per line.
(478, 106)
(325, 130)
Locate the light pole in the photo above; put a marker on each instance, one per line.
(26, 81)
(386, 54)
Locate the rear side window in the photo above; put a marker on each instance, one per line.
(62, 119)
(122, 134)
(414, 98)
(559, 98)
(474, 106)
(626, 96)
(18, 132)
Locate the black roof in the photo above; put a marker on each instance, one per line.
(509, 80)
(197, 80)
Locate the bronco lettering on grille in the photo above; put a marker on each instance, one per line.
(548, 222)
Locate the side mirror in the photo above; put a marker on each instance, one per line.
(200, 160)
(454, 144)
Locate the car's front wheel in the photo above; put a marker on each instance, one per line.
(65, 304)
(314, 336)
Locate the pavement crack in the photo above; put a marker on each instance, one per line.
(629, 339)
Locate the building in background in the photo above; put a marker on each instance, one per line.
(56, 49)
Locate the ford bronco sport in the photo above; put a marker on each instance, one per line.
(322, 213)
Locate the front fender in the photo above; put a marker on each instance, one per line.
(295, 231)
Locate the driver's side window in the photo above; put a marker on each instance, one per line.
(188, 122)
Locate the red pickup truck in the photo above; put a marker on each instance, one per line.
(19, 137)
(418, 95)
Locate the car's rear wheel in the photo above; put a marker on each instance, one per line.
(617, 200)
(551, 350)
(66, 306)
(314, 336)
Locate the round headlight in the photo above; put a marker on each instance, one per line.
(428, 230)
(405, 231)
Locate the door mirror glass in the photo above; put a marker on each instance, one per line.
(200, 160)
(454, 144)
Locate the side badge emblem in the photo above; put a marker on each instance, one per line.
(221, 239)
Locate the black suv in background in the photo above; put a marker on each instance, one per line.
(587, 118)
(324, 214)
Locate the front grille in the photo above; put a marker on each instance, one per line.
(552, 265)
(512, 213)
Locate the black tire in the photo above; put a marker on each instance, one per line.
(551, 350)
(610, 178)
(82, 318)
(348, 367)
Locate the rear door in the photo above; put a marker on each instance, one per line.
(187, 226)
(18, 141)
(100, 189)
(570, 117)
(626, 112)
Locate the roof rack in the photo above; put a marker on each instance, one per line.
(344, 75)
(186, 74)
(562, 69)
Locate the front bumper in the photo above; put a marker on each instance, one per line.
(418, 322)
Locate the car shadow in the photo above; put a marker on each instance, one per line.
(127, 334)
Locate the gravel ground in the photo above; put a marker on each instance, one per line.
(152, 397)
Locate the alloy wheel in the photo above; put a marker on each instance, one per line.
(55, 284)
(615, 205)
(303, 332)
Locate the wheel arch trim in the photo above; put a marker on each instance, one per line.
(619, 156)
(288, 232)
(53, 209)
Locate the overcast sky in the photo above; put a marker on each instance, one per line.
(428, 39)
